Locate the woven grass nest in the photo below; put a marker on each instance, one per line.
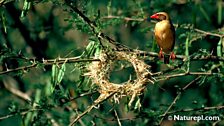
(99, 72)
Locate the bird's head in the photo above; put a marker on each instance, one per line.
(160, 16)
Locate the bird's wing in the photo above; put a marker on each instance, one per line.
(164, 35)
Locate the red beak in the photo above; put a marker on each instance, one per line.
(154, 16)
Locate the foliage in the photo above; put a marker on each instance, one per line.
(96, 63)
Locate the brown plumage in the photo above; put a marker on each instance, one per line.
(164, 35)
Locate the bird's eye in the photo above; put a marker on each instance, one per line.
(162, 17)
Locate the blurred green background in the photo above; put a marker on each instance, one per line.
(50, 29)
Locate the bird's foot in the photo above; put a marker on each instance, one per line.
(161, 54)
(172, 56)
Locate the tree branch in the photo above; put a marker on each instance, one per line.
(48, 62)
(182, 57)
(21, 113)
(170, 106)
(196, 109)
(18, 69)
(176, 98)
(35, 62)
(176, 25)
(166, 77)
(124, 18)
(98, 101)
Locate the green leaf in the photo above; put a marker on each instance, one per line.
(90, 46)
(53, 77)
(109, 8)
(61, 73)
(57, 75)
(187, 52)
(98, 50)
(137, 105)
(3, 18)
(204, 13)
(219, 48)
(26, 7)
(54, 73)
(92, 49)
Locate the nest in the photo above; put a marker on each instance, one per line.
(99, 72)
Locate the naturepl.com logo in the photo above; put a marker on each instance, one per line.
(193, 118)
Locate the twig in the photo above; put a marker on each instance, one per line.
(67, 60)
(176, 98)
(77, 59)
(98, 101)
(124, 18)
(57, 60)
(204, 32)
(195, 80)
(49, 62)
(168, 109)
(7, 81)
(113, 119)
(182, 57)
(21, 113)
(119, 46)
(171, 112)
(166, 77)
(81, 115)
(100, 35)
(18, 69)
(196, 109)
(215, 123)
(86, 19)
(3, 2)
(53, 121)
(118, 120)
(81, 95)
(176, 25)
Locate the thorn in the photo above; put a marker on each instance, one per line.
(20, 53)
(6, 66)
(43, 60)
(59, 58)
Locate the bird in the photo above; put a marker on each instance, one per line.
(164, 32)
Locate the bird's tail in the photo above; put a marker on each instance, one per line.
(166, 59)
